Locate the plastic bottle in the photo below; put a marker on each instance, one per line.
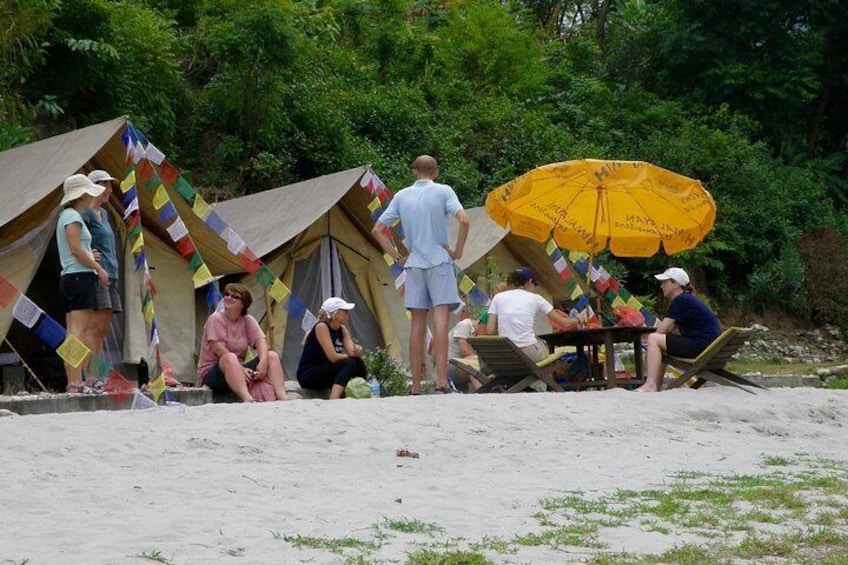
(375, 387)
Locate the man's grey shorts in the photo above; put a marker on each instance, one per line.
(108, 297)
(425, 288)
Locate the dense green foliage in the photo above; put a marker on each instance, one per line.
(749, 97)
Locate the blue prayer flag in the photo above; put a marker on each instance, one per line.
(215, 223)
(477, 296)
(50, 332)
(130, 196)
(167, 213)
(395, 270)
(295, 307)
(139, 260)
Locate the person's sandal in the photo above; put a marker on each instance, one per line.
(80, 388)
(442, 390)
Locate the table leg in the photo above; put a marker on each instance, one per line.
(637, 357)
(609, 361)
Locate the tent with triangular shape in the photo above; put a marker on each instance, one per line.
(31, 178)
(492, 252)
(316, 237)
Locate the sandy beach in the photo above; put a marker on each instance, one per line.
(232, 483)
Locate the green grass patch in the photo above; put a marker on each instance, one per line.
(412, 526)
(428, 557)
(333, 545)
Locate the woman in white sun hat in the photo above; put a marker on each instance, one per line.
(81, 274)
(330, 357)
(697, 326)
(103, 243)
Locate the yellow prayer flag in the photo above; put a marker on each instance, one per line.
(575, 256)
(139, 243)
(73, 351)
(161, 197)
(373, 205)
(576, 293)
(551, 247)
(128, 182)
(200, 207)
(617, 301)
(148, 312)
(388, 259)
(278, 291)
(201, 276)
(157, 387)
(409, 315)
(634, 303)
(465, 284)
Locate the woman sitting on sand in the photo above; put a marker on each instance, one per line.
(697, 324)
(227, 336)
(330, 358)
(512, 314)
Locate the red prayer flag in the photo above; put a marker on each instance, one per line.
(185, 247)
(614, 285)
(144, 169)
(168, 173)
(7, 292)
(249, 261)
(117, 384)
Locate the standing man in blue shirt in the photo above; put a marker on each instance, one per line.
(423, 210)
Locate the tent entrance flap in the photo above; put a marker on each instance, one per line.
(317, 277)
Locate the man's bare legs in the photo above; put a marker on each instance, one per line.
(440, 344)
(417, 347)
(656, 368)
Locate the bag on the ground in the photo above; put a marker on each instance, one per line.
(262, 391)
(357, 388)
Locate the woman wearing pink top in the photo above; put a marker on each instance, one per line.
(227, 336)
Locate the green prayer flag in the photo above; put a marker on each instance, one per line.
(185, 190)
(264, 276)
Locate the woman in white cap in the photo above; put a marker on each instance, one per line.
(81, 274)
(103, 242)
(330, 357)
(697, 326)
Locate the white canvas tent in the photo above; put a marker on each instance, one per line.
(31, 180)
(492, 252)
(316, 237)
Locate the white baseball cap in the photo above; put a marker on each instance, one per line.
(334, 304)
(676, 274)
(100, 176)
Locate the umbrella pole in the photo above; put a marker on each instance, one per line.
(598, 190)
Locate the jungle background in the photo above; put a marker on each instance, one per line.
(750, 97)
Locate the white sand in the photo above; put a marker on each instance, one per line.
(209, 484)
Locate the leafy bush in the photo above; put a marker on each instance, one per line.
(390, 373)
(825, 257)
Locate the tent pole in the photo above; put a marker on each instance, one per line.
(269, 315)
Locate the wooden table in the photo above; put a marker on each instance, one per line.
(595, 337)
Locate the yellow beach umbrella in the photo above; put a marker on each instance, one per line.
(588, 205)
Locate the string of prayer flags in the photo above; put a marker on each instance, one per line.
(69, 348)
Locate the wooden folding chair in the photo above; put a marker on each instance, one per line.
(710, 364)
(511, 367)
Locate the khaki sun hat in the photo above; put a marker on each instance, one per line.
(76, 186)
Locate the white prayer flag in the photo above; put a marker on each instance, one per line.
(308, 321)
(559, 265)
(131, 208)
(154, 155)
(366, 178)
(137, 152)
(595, 274)
(154, 343)
(400, 280)
(178, 230)
(26, 312)
(234, 243)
